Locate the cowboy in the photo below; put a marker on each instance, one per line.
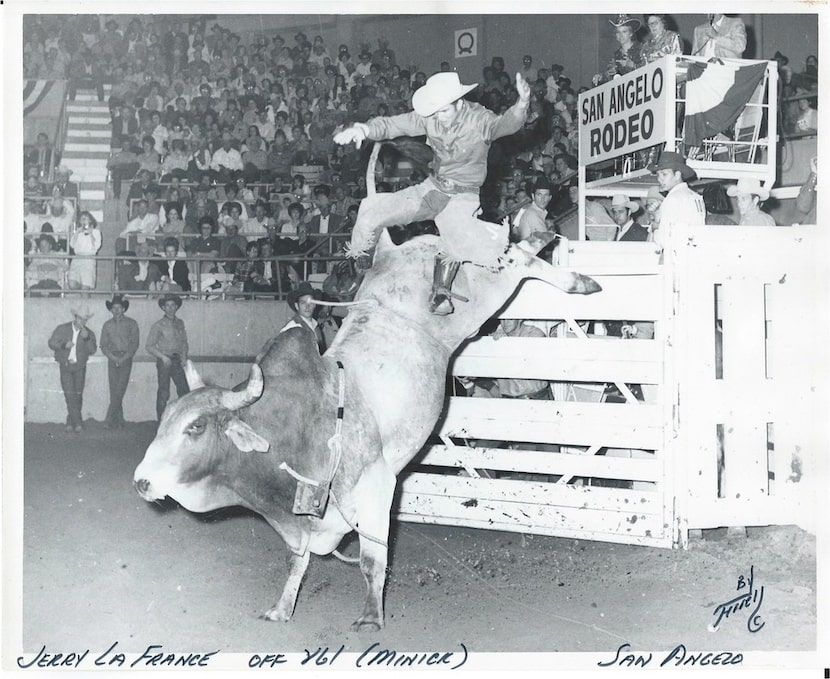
(681, 205)
(119, 342)
(73, 343)
(627, 229)
(749, 194)
(167, 342)
(62, 174)
(302, 302)
(460, 134)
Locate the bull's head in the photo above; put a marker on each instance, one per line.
(196, 436)
(401, 279)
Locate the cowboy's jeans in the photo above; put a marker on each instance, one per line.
(73, 377)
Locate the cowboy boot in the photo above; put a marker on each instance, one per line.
(440, 301)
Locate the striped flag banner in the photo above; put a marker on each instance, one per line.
(34, 92)
(716, 95)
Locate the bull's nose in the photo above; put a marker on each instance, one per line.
(142, 486)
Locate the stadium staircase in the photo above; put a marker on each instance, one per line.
(85, 152)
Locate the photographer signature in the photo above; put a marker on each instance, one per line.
(749, 596)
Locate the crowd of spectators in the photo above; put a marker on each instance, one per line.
(235, 131)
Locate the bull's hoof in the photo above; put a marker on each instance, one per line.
(362, 625)
(276, 615)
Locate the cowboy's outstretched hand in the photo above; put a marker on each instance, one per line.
(357, 133)
(522, 87)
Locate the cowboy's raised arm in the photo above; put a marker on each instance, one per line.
(512, 120)
(383, 127)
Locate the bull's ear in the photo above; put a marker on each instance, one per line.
(245, 438)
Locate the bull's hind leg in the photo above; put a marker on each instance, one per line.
(284, 608)
(373, 503)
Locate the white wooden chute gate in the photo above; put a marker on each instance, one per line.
(732, 406)
(704, 448)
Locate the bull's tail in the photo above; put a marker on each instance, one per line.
(370, 169)
(346, 559)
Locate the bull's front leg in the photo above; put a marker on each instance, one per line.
(374, 502)
(284, 608)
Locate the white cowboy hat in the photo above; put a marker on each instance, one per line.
(82, 310)
(621, 200)
(440, 90)
(748, 187)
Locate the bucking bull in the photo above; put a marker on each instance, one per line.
(315, 443)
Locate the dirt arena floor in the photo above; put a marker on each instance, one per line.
(101, 565)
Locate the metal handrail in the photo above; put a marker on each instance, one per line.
(198, 262)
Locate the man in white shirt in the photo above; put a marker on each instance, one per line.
(681, 206)
(531, 219)
(144, 223)
(257, 226)
(227, 161)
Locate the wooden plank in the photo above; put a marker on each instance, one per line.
(620, 425)
(545, 462)
(530, 517)
(522, 492)
(793, 508)
(651, 538)
(560, 359)
(744, 372)
(632, 298)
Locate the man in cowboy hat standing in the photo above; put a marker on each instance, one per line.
(749, 194)
(627, 229)
(302, 301)
(681, 205)
(119, 342)
(167, 342)
(73, 343)
(460, 134)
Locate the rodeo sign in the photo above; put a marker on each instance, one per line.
(624, 115)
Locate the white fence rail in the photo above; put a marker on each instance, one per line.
(726, 431)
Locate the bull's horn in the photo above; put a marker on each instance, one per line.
(194, 380)
(235, 400)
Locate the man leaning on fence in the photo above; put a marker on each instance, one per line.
(167, 343)
(119, 342)
(73, 343)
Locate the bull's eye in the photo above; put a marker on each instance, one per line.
(196, 428)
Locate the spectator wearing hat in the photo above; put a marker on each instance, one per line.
(119, 342)
(661, 41)
(749, 194)
(627, 229)
(629, 54)
(681, 206)
(167, 342)
(73, 343)
(461, 134)
(721, 37)
(68, 189)
(531, 219)
(302, 301)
